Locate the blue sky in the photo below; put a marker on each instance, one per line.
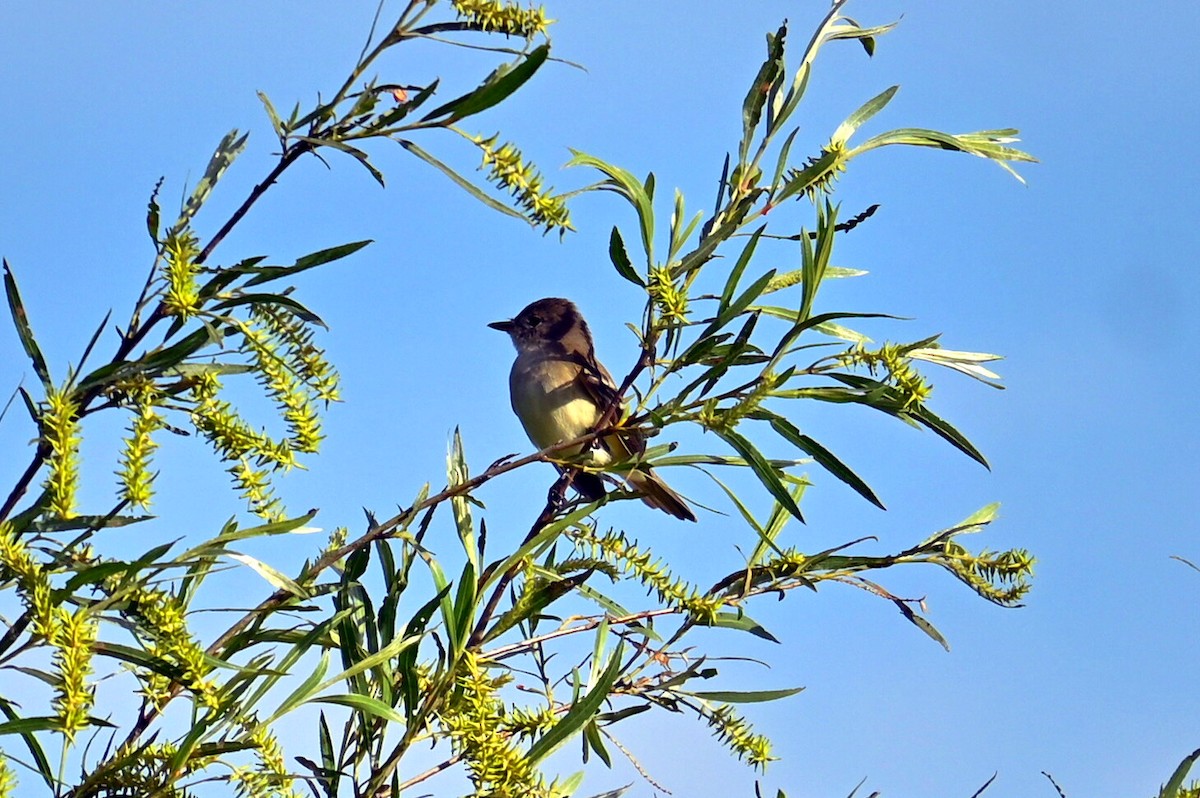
(1084, 279)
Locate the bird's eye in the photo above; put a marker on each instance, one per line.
(534, 321)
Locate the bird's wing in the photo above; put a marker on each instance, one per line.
(600, 385)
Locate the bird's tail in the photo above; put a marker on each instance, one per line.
(657, 493)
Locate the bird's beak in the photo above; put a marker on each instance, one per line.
(502, 326)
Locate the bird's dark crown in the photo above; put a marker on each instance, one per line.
(549, 319)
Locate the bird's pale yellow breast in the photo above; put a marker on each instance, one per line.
(551, 403)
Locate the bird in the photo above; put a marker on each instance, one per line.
(559, 390)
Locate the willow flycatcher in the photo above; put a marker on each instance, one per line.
(559, 391)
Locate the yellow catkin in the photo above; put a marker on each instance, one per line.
(60, 431)
(8, 779)
(33, 583)
(73, 642)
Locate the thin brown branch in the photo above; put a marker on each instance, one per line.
(433, 771)
(289, 157)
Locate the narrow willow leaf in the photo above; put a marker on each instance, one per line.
(354, 152)
(87, 522)
(595, 742)
(620, 258)
(264, 274)
(274, 577)
(990, 144)
(537, 599)
(948, 433)
(464, 609)
(598, 651)
(763, 470)
(505, 80)
(782, 162)
(744, 300)
(543, 538)
(1175, 784)
(27, 725)
(823, 457)
(305, 690)
(21, 320)
(457, 473)
(230, 146)
(276, 123)
(406, 662)
(842, 333)
(41, 762)
(735, 274)
(272, 299)
(865, 112)
(739, 620)
(744, 696)
(769, 75)
(157, 360)
(87, 350)
(294, 525)
(384, 654)
(363, 704)
(581, 712)
(153, 213)
(624, 183)
(328, 761)
(462, 182)
(921, 623)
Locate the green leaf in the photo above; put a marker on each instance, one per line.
(406, 662)
(464, 609)
(153, 212)
(765, 82)
(457, 473)
(735, 275)
(230, 146)
(538, 596)
(264, 274)
(620, 258)
(304, 690)
(171, 356)
(948, 433)
(633, 190)
(26, 725)
(595, 742)
(24, 331)
(35, 748)
(385, 654)
(276, 123)
(1175, 783)
(743, 696)
(463, 183)
(505, 80)
(87, 522)
(825, 458)
(921, 623)
(543, 538)
(364, 704)
(739, 620)
(581, 712)
(353, 152)
(276, 579)
(859, 117)
(272, 299)
(763, 470)
(990, 144)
